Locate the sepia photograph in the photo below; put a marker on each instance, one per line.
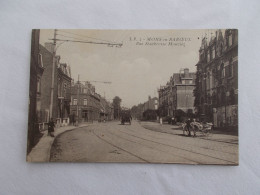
(133, 96)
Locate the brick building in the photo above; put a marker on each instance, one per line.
(85, 102)
(216, 93)
(61, 91)
(177, 94)
(36, 71)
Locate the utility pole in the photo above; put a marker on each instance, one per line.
(54, 62)
(78, 100)
(53, 71)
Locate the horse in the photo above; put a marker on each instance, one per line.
(195, 126)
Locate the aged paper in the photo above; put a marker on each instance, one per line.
(146, 96)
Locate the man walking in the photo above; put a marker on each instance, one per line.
(188, 126)
(51, 126)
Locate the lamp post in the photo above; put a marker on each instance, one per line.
(53, 71)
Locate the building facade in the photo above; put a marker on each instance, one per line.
(36, 71)
(216, 93)
(151, 104)
(61, 91)
(64, 93)
(177, 94)
(146, 110)
(107, 110)
(164, 94)
(85, 103)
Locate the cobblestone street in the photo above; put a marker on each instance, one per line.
(143, 142)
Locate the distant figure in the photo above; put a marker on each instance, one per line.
(161, 120)
(51, 126)
(173, 121)
(188, 126)
(73, 119)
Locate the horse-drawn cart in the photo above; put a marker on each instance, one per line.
(204, 128)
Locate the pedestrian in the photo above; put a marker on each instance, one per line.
(51, 126)
(188, 126)
(73, 119)
(161, 121)
(173, 121)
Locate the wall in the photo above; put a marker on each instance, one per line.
(46, 82)
(185, 98)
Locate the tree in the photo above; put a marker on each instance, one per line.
(150, 115)
(117, 107)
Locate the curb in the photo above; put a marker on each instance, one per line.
(41, 151)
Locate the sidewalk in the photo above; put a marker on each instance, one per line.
(41, 152)
(216, 135)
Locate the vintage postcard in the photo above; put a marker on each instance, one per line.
(136, 96)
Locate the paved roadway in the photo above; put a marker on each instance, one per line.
(142, 142)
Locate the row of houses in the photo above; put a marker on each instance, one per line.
(50, 81)
(146, 110)
(210, 93)
(53, 93)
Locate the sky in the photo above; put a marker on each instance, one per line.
(146, 59)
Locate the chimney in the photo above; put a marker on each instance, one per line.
(49, 46)
(186, 73)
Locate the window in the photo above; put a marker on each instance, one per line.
(223, 73)
(85, 102)
(59, 88)
(40, 60)
(38, 85)
(65, 88)
(213, 53)
(221, 49)
(183, 81)
(75, 101)
(231, 70)
(190, 81)
(230, 40)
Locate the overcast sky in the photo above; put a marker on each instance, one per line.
(136, 71)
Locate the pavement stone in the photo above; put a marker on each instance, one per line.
(41, 151)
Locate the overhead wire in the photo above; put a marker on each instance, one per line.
(72, 37)
(86, 36)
